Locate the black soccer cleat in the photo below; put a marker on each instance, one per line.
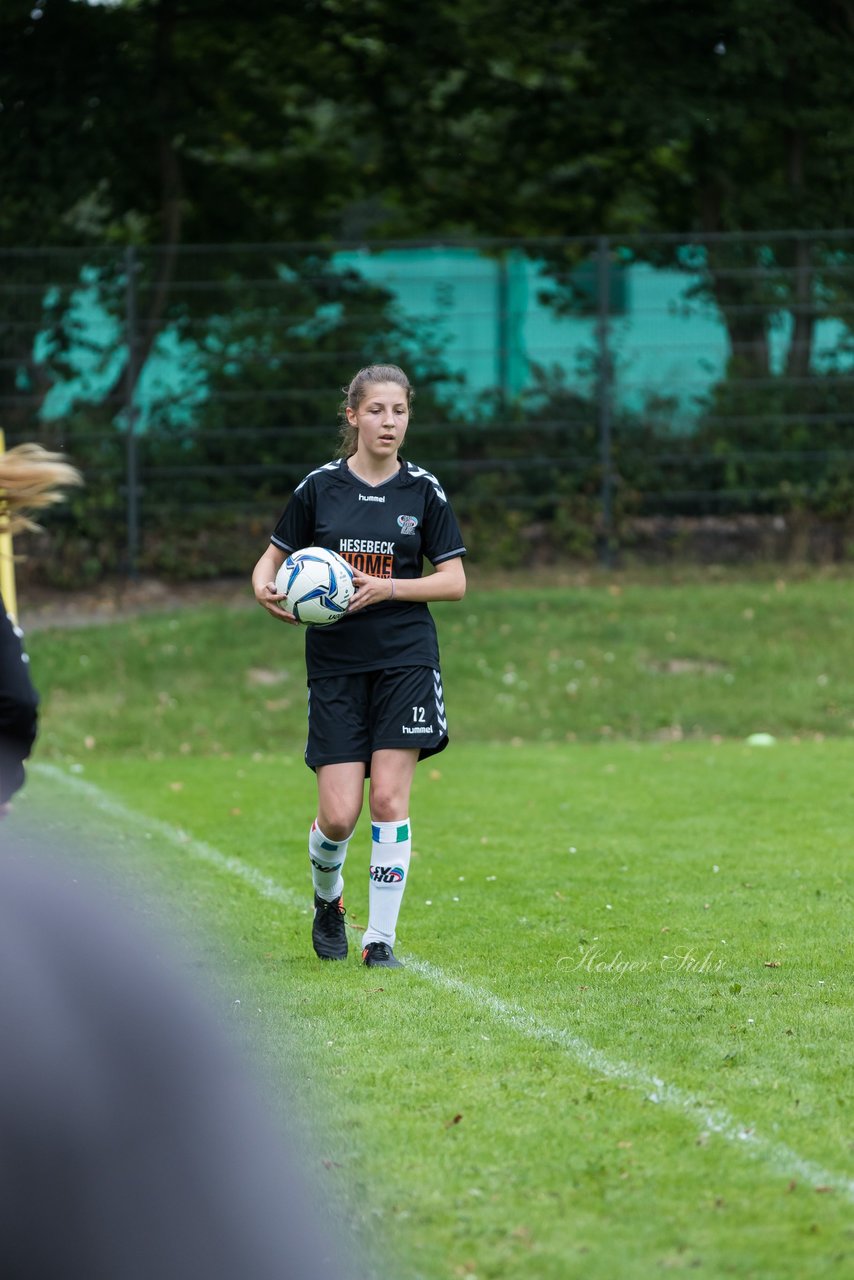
(379, 955)
(328, 932)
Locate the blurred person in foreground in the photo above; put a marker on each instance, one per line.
(133, 1143)
(31, 478)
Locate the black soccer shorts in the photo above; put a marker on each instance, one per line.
(352, 716)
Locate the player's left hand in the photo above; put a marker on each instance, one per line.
(369, 591)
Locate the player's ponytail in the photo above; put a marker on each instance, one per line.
(357, 391)
(31, 478)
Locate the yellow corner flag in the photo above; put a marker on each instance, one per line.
(7, 562)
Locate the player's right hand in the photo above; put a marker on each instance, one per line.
(269, 598)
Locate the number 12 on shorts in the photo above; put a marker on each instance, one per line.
(418, 715)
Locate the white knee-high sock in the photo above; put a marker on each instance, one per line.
(327, 858)
(391, 848)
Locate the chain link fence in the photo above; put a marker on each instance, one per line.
(579, 398)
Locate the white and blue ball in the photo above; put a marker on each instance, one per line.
(318, 585)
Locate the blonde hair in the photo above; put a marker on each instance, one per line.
(357, 391)
(31, 478)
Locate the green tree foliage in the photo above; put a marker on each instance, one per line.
(162, 124)
(159, 123)
(163, 121)
(553, 119)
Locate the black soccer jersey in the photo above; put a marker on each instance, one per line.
(386, 531)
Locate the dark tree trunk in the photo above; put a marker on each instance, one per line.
(736, 294)
(155, 296)
(803, 306)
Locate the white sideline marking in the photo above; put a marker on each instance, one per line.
(262, 884)
(517, 1018)
(655, 1090)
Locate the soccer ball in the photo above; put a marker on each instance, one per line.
(318, 585)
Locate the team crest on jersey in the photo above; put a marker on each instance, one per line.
(408, 524)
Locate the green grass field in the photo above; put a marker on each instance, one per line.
(622, 1043)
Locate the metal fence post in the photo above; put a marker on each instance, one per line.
(502, 328)
(603, 396)
(131, 459)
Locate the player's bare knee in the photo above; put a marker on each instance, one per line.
(336, 825)
(387, 804)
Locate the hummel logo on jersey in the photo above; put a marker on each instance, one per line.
(408, 524)
(371, 497)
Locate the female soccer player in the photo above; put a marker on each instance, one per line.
(30, 478)
(376, 704)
